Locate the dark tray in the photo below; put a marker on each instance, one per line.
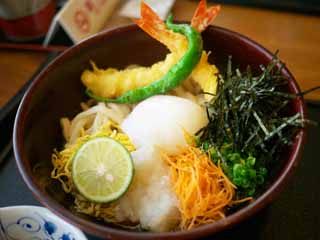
(294, 215)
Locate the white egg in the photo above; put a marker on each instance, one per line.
(160, 120)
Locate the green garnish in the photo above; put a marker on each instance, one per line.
(241, 170)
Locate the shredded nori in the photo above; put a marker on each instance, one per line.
(251, 115)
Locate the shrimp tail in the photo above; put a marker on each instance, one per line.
(151, 23)
(204, 16)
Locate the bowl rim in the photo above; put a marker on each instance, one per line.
(105, 231)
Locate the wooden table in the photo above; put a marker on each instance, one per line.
(297, 36)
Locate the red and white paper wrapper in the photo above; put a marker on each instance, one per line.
(82, 18)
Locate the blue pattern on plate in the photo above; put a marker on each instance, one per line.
(34, 228)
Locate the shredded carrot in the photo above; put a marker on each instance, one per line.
(202, 188)
(247, 199)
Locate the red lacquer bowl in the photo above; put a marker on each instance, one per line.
(57, 92)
